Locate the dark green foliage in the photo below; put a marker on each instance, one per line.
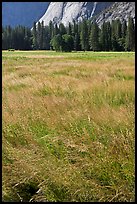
(94, 38)
(62, 29)
(56, 30)
(34, 37)
(76, 36)
(105, 37)
(62, 43)
(102, 38)
(56, 42)
(51, 29)
(46, 38)
(114, 36)
(84, 35)
(69, 29)
(17, 38)
(118, 35)
(124, 29)
(130, 36)
(39, 35)
(67, 44)
(118, 28)
(108, 30)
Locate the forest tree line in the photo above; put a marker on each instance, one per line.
(82, 36)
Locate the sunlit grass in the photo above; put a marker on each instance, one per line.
(68, 126)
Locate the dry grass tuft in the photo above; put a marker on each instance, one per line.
(68, 127)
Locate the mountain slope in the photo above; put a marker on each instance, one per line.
(65, 12)
(121, 10)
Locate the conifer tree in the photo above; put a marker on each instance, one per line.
(103, 37)
(39, 35)
(56, 30)
(62, 29)
(27, 39)
(42, 36)
(124, 29)
(84, 40)
(114, 36)
(51, 30)
(76, 36)
(94, 37)
(34, 37)
(118, 29)
(130, 35)
(69, 29)
(108, 36)
(46, 38)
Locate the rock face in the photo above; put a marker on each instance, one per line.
(65, 12)
(121, 10)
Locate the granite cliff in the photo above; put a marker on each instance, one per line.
(65, 12)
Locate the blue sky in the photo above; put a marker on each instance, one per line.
(22, 13)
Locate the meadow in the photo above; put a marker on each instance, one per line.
(68, 131)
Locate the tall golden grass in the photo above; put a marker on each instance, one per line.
(68, 126)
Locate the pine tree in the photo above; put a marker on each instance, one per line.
(9, 30)
(122, 36)
(122, 41)
(39, 35)
(46, 38)
(51, 30)
(56, 30)
(124, 29)
(118, 29)
(130, 36)
(108, 36)
(114, 36)
(4, 38)
(27, 39)
(103, 38)
(76, 36)
(69, 29)
(84, 40)
(62, 29)
(34, 37)
(118, 43)
(94, 37)
(42, 35)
